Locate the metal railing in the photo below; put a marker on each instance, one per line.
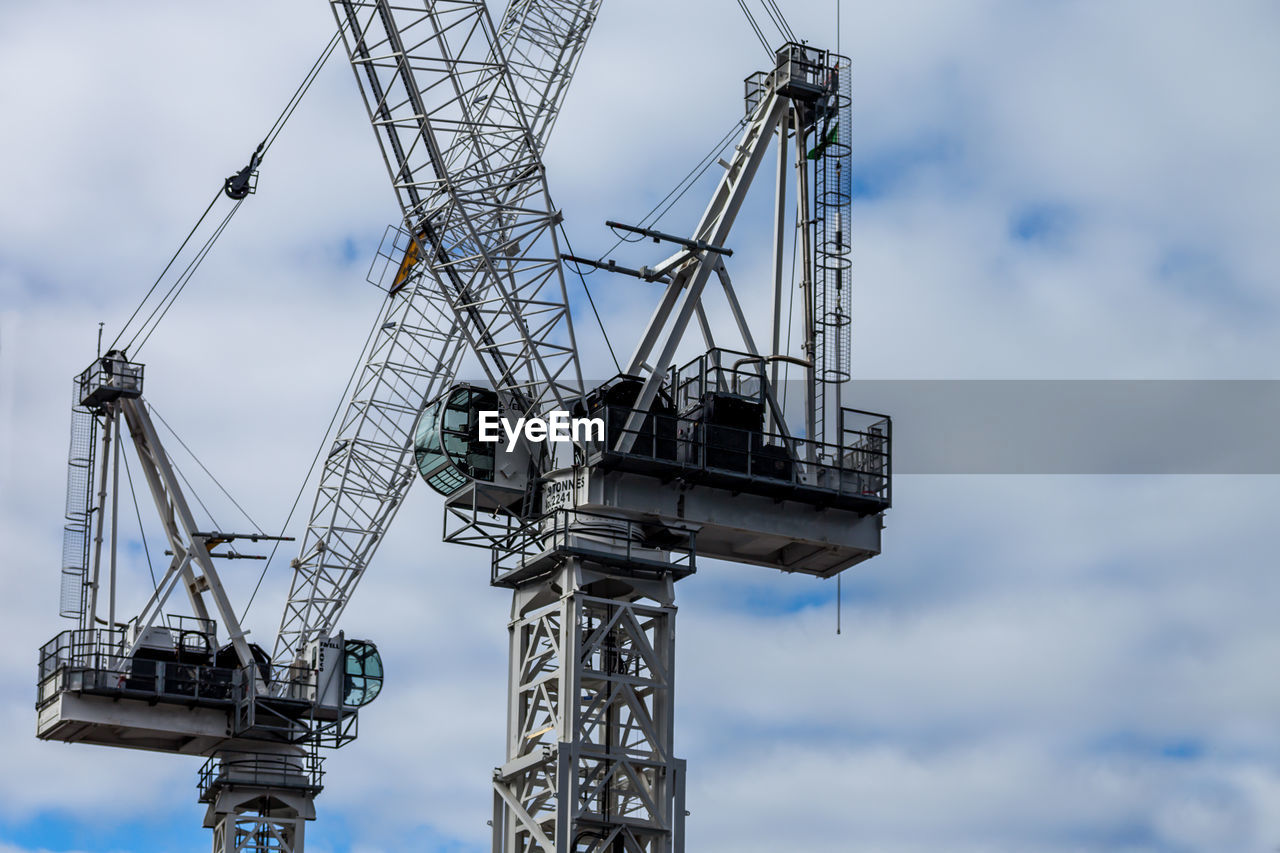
(857, 467)
(800, 69)
(281, 706)
(286, 708)
(718, 371)
(109, 378)
(86, 648)
(94, 661)
(605, 538)
(801, 65)
(303, 772)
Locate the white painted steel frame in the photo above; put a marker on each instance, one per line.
(590, 761)
(186, 540)
(462, 138)
(667, 325)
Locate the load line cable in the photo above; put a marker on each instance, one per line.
(594, 310)
(779, 20)
(179, 285)
(751, 19)
(656, 213)
(155, 585)
(221, 488)
(165, 271)
(324, 441)
(178, 469)
(271, 136)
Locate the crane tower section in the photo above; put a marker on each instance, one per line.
(696, 460)
(462, 109)
(185, 683)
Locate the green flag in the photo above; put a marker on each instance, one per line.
(819, 149)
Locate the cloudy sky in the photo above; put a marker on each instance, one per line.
(1044, 190)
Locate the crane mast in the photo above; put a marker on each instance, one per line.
(696, 461)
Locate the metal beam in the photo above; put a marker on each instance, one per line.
(180, 525)
(714, 228)
(779, 242)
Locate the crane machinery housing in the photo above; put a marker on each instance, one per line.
(705, 458)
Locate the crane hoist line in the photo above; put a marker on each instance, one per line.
(701, 456)
(237, 187)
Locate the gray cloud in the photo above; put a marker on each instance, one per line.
(1034, 664)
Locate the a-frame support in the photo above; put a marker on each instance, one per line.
(190, 546)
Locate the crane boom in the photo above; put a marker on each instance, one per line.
(462, 139)
(470, 180)
(543, 41)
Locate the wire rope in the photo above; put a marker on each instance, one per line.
(751, 19)
(155, 585)
(300, 92)
(221, 488)
(690, 178)
(324, 441)
(269, 139)
(178, 469)
(167, 266)
(175, 290)
(779, 20)
(594, 310)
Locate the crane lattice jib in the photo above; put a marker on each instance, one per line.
(420, 335)
(543, 41)
(470, 181)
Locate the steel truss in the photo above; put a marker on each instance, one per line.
(469, 176)
(268, 825)
(260, 803)
(259, 819)
(590, 763)
(543, 41)
(477, 263)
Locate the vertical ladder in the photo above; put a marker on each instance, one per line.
(833, 165)
(75, 534)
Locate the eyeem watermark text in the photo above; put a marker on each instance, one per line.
(557, 426)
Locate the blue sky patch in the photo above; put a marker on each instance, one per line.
(1207, 278)
(884, 172)
(1045, 224)
(1139, 745)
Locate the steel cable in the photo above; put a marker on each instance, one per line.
(269, 139)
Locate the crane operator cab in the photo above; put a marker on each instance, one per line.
(344, 674)
(454, 459)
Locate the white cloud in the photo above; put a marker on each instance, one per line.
(1016, 661)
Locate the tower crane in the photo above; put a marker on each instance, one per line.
(194, 684)
(693, 459)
